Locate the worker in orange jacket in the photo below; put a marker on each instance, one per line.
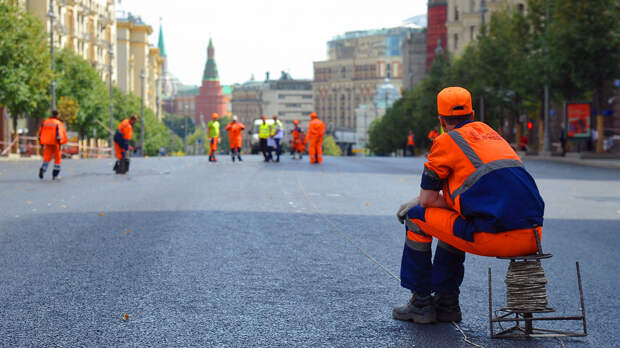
(433, 134)
(411, 143)
(475, 197)
(123, 135)
(316, 131)
(235, 137)
(299, 140)
(52, 135)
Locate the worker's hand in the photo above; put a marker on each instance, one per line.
(401, 213)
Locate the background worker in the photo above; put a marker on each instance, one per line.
(123, 135)
(488, 206)
(433, 134)
(213, 128)
(299, 140)
(52, 135)
(411, 143)
(277, 131)
(235, 137)
(264, 131)
(316, 131)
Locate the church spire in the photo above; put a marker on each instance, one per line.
(160, 43)
(210, 72)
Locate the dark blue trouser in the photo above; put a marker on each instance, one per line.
(444, 275)
(278, 149)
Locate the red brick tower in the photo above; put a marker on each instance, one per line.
(210, 98)
(436, 31)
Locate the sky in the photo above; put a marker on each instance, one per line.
(253, 37)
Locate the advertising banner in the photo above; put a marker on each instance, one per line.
(578, 117)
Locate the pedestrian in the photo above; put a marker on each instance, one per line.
(316, 131)
(277, 135)
(411, 143)
(489, 206)
(523, 143)
(123, 135)
(52, 135)
(271, 142)
(213, 128)
(563, 138)
(298, 145)
(235, 137)
(264, 131)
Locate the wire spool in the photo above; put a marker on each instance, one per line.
(526, 286)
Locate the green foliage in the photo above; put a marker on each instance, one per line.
(25, 72)
(177, 124)
(77, 79)
(330, 148)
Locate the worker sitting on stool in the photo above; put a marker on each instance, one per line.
(487, 207)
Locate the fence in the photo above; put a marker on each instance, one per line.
(27, 146)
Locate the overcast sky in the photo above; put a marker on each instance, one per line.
(252, 37)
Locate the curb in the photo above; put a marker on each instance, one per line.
(598, 163)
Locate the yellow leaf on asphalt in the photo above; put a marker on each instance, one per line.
(368, 204)
(125, 316)
(127, 231)
(101, 214)
(28, 202)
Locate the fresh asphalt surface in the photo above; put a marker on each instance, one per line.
(253, 254)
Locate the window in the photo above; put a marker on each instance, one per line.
(456, 13)
(456, 41)
(521, 8)
(472, 31)
(472, 5)
(308, 96)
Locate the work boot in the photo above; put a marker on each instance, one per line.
(239, 157)
(419, 309)
(233, 159)
(115, 167)
(41, 172)
(447, 307)
(55, 173)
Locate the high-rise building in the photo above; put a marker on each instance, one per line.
(210, 97)
(358, 63)
(139, 64)
(414, 59)
(436, 30)
(464, 18)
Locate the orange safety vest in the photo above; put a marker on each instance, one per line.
(52, 132)
(410, 140)
(316, 130)
(235, 134)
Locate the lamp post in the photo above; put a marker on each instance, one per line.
(111, 58)
(546, 136)
(52, 16)
(483, 12)
(185, 128)
(142, 76)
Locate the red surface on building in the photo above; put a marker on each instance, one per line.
(436, 29)
(210, 98)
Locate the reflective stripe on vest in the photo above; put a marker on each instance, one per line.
(482, 169)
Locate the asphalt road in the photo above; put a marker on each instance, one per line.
(254, 254)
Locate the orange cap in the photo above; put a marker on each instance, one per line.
(295, 121)
(313, 115)
(214, 115)
(454, 101)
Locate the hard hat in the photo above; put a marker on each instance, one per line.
(454, 101)
(295, 121)
(313, 115)
(235, 118)
(214, 115)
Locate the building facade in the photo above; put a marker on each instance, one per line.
(436, 37)
(139, 64)
(414, 59)
(358, 63)
(86, 27)
(385, 97)
(210, 98)
(464, 18)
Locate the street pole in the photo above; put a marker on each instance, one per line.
(483, 11)
(111, 57)
(157, 91)
(142, 76)
(52, 16)
(185, 130)
(546, 135)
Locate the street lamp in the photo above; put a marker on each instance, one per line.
(142, 76)
(185, 128)
(111, 58)
(483, 12)
(52, 16)
(546, 136)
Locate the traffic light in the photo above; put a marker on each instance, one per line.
(529, 125)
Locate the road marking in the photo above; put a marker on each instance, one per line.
(333, 195)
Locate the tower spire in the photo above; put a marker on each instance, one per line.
(210, 72)
(160, 43)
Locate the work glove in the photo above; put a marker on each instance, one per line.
(401, 213)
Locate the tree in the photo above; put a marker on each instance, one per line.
(330, 148)
(25, 72)
(78, 80)
(68, 109)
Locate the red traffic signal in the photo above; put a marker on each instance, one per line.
(529, 125)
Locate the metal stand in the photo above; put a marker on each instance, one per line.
(524, 319)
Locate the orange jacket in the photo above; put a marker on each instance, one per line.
(316, 130)
(433, 134)
(299, 138)
(52, 132)
(126, 129)
(410, 140)
(235, 134)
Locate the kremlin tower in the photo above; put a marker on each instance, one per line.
(210, 98)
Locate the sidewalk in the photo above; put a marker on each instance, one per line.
(609, 163)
